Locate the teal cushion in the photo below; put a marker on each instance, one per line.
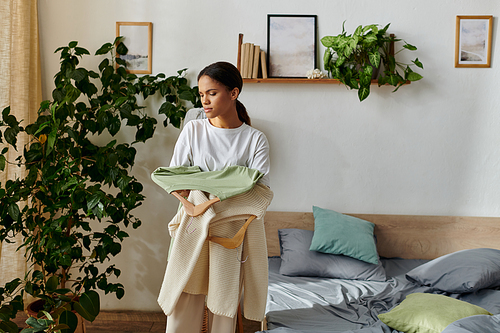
(428, 313)
(336, 233)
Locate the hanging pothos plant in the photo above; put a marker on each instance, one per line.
(356, 59)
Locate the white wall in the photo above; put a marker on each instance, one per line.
(430, 148)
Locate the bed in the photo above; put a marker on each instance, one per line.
(433, 274)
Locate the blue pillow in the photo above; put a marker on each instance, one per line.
(298, 260)
(463, 271)
(475, 324)
(336, 233)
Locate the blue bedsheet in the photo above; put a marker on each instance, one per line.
(320, 305)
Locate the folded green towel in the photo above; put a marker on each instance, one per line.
(226, 183)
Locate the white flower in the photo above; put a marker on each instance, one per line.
(315, 74)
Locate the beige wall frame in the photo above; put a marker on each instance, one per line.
(473, 41)
(138, 38)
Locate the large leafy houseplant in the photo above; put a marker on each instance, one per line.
(74, 204)
(355, 59)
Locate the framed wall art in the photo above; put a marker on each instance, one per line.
(291, 45)
(473, 41)
(137, 37)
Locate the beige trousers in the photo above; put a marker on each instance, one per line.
(188, 317)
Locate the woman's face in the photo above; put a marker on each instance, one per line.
(216, 99)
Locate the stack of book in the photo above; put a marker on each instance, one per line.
(253, 61)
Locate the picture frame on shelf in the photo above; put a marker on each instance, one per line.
(291, 45)
(137, 37)
(473, 41)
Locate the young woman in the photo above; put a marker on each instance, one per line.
(224, 138)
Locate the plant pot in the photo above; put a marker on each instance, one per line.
(35, 307)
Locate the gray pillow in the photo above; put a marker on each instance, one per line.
(298, 260)
(463, 271)
(475, 324)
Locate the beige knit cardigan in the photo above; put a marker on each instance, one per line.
(197, 266)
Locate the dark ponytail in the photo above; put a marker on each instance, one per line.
(242, 113)
(228, 75)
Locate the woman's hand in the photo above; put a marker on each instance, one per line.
(184, 193)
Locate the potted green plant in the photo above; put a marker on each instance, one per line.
(78, 197)
(356, 59)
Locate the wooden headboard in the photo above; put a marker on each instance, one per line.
(403, 236)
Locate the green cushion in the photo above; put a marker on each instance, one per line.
(336, 233)
(428, 313)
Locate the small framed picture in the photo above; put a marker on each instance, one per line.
(291, 45)
(473, 41)
(137, 37)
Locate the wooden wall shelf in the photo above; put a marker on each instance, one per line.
(292, 80)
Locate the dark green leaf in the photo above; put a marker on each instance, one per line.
(133, 120)
(363, 93)
(37, 275)
(121, 62)
(115, 248)
(328, 41)
(86, 242)
(65, 260)
(167, 109)
(186, 95)
(5, 313)
(89, 305)
(13, 211)
(37, 324)
(393, 80)
(104, 49)
(79, 74)
(366, 77)
(121, 100)
(112, 159)
(51, 140)
(409, 47)
(104, 64)
(374, 58)
(70, 319)
(60, 327)
(59, 49)
(81, 50)
(6, 112)
(114, 126)
(381, 80)
(58, 95)
(12, 285)
(69, 183)
(8, 326)
(120, 292)
(10, 136)
(391, 63)
(121, 49)
(72, 93)
(414, 76)
(94, 200)
(62, 293)
(418, 63)
(52, 284)
(102, 284)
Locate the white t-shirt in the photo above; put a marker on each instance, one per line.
(212, 148)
